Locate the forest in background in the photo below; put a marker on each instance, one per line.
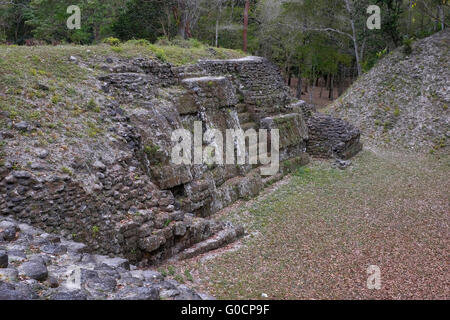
(320, 42)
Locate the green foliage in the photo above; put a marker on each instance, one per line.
(179, 278)
(95, 230)
(159, 53)
(151, 150)
(92, 105)
(140, 19)
(188, 275)
(153, 155)
(112, 41)
(13, 19)
(171, 270)
(195, 43)
(93, 129)
(140, 42)
(80, 37)
(56, 99)
(163, 272)
(302, 172)
(407, 45)
(390, 23)
(67, 171)
(372, 60)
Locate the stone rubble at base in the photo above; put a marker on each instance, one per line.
(35, 265)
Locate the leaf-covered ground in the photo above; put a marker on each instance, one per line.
(316, 235)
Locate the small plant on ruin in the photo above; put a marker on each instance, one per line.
(171, 270)
(95, 230)
(67, 171)
(179, 278)
(188, 275)
(151, 151)
(92, 105)
(407, 45)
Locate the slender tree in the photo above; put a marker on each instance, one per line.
(245, 33)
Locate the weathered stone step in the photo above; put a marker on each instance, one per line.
(245, 117)
(272, 179)
(221, 239)
(248, 125)
(241, 108)
(188, 75)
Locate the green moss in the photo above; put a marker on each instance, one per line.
(67, 171)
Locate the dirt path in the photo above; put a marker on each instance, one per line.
(315, 236)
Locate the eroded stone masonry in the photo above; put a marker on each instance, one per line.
(138, 204)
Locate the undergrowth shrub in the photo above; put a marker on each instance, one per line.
(112, 41)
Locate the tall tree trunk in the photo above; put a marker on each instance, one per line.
(245, 34)
(217, 33)
(321, 87)
(331, 92)
(442, 16)
(355, 39)
(341, 80)
(182, 27)
(409, 16)
(181, 13)
(219, 11)
(299, 86)
(436, 21)
(97, 33)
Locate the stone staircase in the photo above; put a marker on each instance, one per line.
(189, 72)
(223, 238)
(245, 118)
